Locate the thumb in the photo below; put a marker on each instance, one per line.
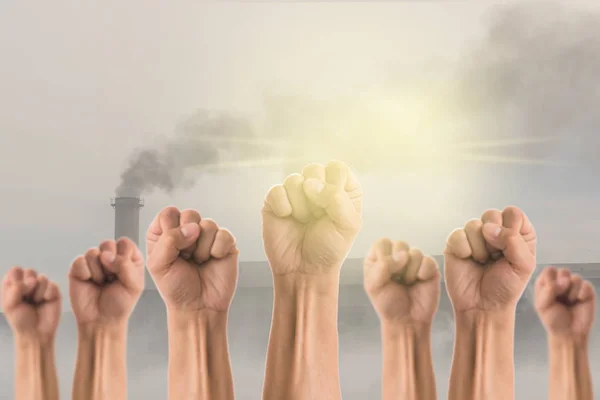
(335, 201)
(170, 244)
(12, 294)
(511, 243)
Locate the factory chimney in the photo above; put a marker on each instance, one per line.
(127, 221)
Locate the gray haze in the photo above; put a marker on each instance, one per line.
(95, 96)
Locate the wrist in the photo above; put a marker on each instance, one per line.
(205, 319)
(115, 330)
(394, 330)
(296, 285)
(499, 320)
(569, 341)
(34, 341)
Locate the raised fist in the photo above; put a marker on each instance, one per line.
(31, 303)
(565, 303)
(193, 262)
(402, 283)
(489, 262)
(106, 283)
(310, 222)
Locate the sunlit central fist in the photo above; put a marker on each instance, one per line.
(193, 261)
(311, 221)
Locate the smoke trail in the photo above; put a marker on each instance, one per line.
(174, 165)
(536, 74)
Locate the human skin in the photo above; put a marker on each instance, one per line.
(105, 284)
(308, 225)
(194, 264)
(566, 304)
(32, 306)
(488, 264)
(404, 288)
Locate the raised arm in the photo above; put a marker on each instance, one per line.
(566, 305)
(488, 264)
(105, 285)
(404, 288)
(309, 225)
(194, 264)
(32, 306)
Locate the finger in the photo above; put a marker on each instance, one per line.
(412, 270)
(336, 203)
(166, 219)
(573, 292)
(30, 281)
(547, 276)
(475, 238)
(293, 185)
(189, 216)
(277, 202)
(400, 257)
(208, 233)
(513, 247)
(428, 269)
(92, 259)
(315, 171)
(545, 294)
(458, 245)
(563, 282)
(336, 173)
(42, 285)
(14, 275)
(80, 270)
(492, 216)
(224, 244)
(52, 292)
(108, 252)
(170, 244)
(381, 264)
(130, 274)
(586, 292)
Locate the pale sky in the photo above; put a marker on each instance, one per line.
(82, 85)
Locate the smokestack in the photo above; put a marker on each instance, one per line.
(127, 217)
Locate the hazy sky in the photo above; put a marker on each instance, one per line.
(83, 85)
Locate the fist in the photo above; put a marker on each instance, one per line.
(402, 284)
(489, 262)
(565, 303)
(106, 283)
(31, 303)
(193, 261)
(311, 220)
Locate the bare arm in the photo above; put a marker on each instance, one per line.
(302, 356)
(35, 371)
(407, 363)
(101, 366)
(199, 366)
(483, 360)
(570, 377)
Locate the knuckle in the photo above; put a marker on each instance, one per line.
(293, 180)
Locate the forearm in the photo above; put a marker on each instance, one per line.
(199, 365)
(101, 366)
(35, 370)
(483, 360)
(570, 376)
(407, 363)
(302, 356)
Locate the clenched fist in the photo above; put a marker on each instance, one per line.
(31, 303)
(402, 283)
(489, 262)
(106, 283)
(193, 261)
(310, 222)
(565, 303)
